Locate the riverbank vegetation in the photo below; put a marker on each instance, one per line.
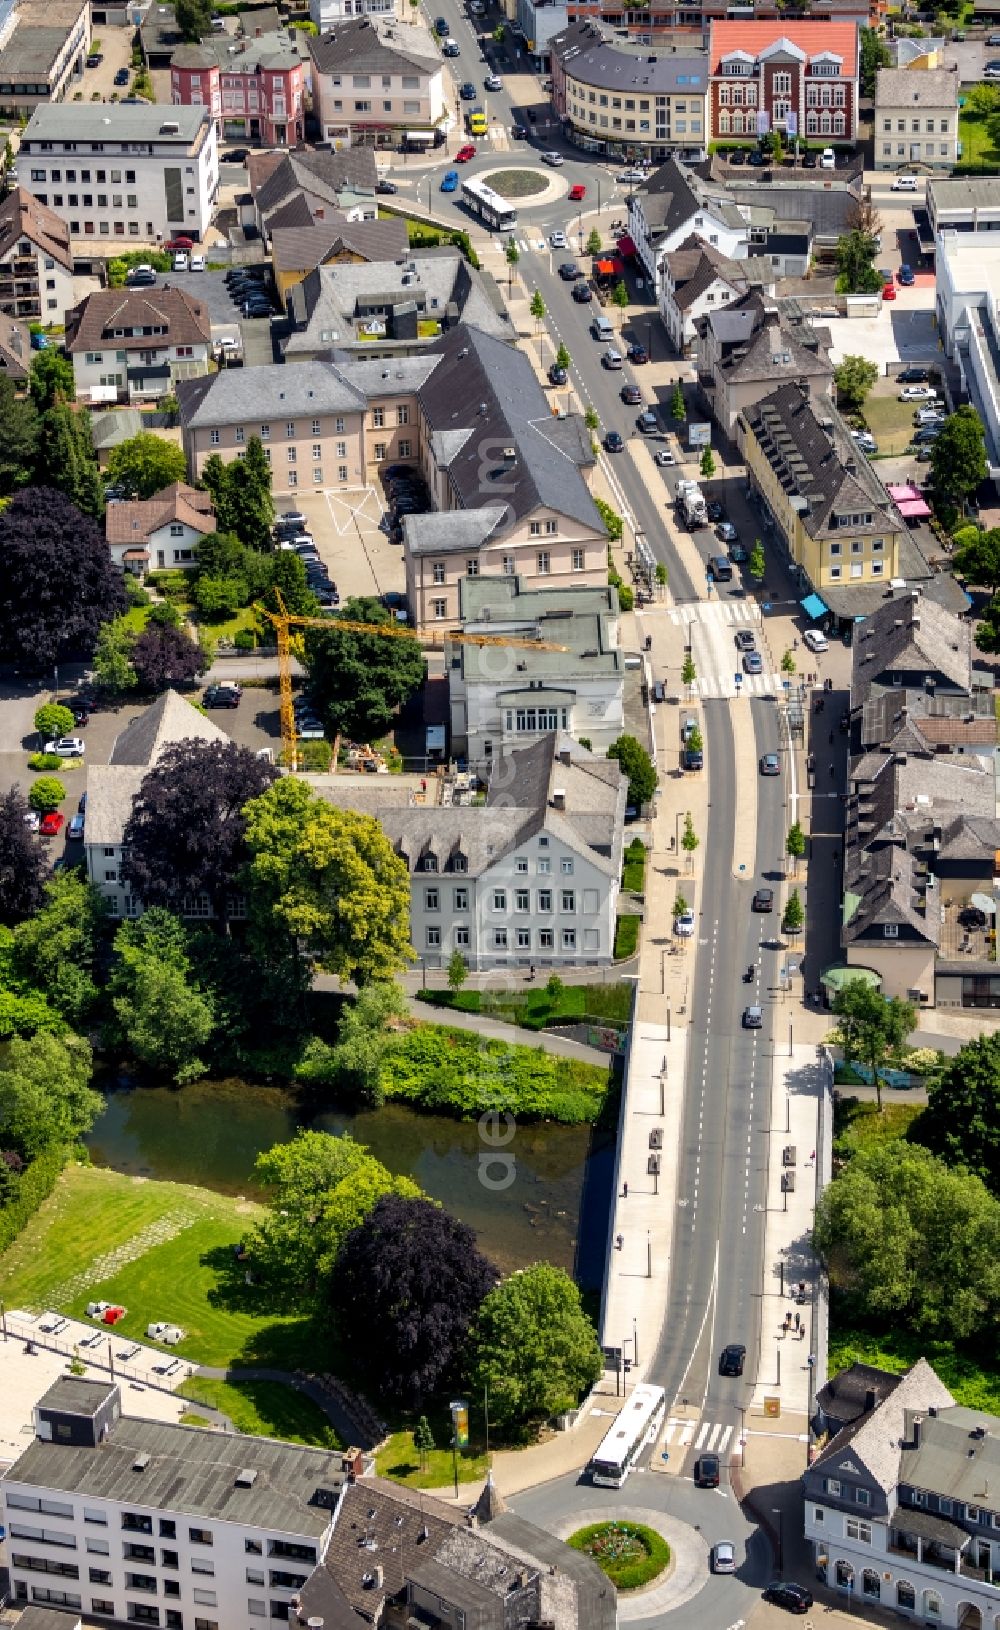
(550, 1004)
(909, 1229)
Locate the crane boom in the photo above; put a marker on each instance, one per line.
(284, 620)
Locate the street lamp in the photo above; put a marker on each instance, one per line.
(743, 1433)
(776, 1512)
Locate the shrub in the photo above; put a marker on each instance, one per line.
(245, 640)
(315, 756)
(626, 937)
(458, 1070)
(46, 793)
(34, 1185)
(45, 761)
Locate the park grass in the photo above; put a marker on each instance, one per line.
(164, 1251)
(535, 1009)
(226, 628)
(266, 1409)
(890, 422)
(979, 156)
(399, 1460)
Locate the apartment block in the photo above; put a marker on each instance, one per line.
(255, 88)
(916, 119)
(128, 344)
(36, 261)
(798, 77)
(111, 171)
(616, 97)
(375, 83)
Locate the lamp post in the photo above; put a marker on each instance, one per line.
(635, 1342)
(743, 1433)
(776, 1512)
(649, 1255)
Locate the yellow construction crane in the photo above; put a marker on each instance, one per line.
(284, 620)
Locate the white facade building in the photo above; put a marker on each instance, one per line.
(375, 82)
(325, 13)
(916, 119)
(673, 204)
(967, 267)
(114, 172)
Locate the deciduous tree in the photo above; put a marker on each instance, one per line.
(533, 1349)
(241, 495)
(978, 560)
(906, 1239)
(18, 437)
(319, 1189)
(369, 1028)
(146, 463)
(58, 582)
(958, 456)
(52, 720)
(961, 1123)
(874, 55)
(854, 378)
(856, 264)
(51, 378)
(194, 18)
(359, 681)
(678, 411)
(793, 916)
(795, 844)
(45, 1094)
(755, 565)
(66, 458)
(707, 465)
(637, 765)
(22, 864)
(594, 242)
(55, 949)
(407, 1284)
(165, 657)
(162, 1015)
(327, 881)
(873, 1027)
(46, 793)
(458, 972)
(113, 667)
(186, 833)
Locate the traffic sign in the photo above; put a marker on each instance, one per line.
(739, 680)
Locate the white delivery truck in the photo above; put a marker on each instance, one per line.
(691, 501)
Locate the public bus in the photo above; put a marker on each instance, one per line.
(638, 1424)
(495, 211)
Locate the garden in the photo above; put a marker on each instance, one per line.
(631, 1554)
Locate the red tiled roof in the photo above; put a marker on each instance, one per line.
(812, 37)
(132, 523)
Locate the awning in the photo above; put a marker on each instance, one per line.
(814, 607)
(420, 135)
(984, 902)
(626, 246)
(913, 509)
(604, 268)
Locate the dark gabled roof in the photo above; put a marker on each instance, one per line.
(695, 265)
(22, 216)
(876, 1436)
(321, 175)
(183, 319)
(486, 390)
(302, 248)
(911, 634)
(360, 45)
(673, 195)
(855, 1391)
(883, 890)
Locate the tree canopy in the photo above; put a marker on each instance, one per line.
(328, 880)
(533, 1348)
(359, 681)
(146, 463)
(51, 378)
(45, 1094)
(55, 949)
(161, 1012)
(905, 1238)
(113, 666)
(369, 1027)
(58, 582)
(872, 1026)
(978, 559)
(241, 494)
(194, 18)
(961, 1123)
(407, 1285)
(637, 765)
(163, 657)
(19, 431)
(854, 378)
(856, 264)
(319, 1188)
(185, 835)
(23, 866)
(66, 456)
(874, 55)
(958, 456)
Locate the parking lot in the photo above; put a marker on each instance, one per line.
(356, 553)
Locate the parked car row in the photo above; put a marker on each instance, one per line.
(250, 289)
(407, 493)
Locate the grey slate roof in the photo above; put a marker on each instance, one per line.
(903, 88)
(239, 395)
(910, 634)
(596, 1597)
(693, 268)
(110, 429)
(324, 176)
(112, 787)
(764, 347)
(958, 1456)
(488, 389)
(876, 1437)
(452, 531)
(360, 45)
(593, 57)
(327, 304)
(272, 50)
(964, 194)
(829, 208)
(673, 195)
(854, 1392)
(302, 248)
(194, 1472)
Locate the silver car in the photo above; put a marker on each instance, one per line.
(723, 1557)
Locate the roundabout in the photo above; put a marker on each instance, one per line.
(677, 1579)
(631, 1554)
(518, 183)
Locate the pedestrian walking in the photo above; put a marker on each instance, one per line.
(831, 738)
(624, 1191)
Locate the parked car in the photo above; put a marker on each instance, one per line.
(763, 900)
(714, 510)
(32, 820)
(291, 520)
(493, 82)
(384, 186)
(631, 395)
(726, 532)
(903, 183)
(684, 924)
(451, 48)
(737, 156)
(449, 181)
(467, 91)
(815, 640)
(809, 161)
(557, 375)
(197, 263)
(441, 26)
(912, 376)
(75, 828)
(744, 639)
(631, 178)
(612, 359)
(181, 261)
(52, 824)
(918, 393)
(647, 423)
(889, 290)
(121, 77)
(221, 696)
(906, 276)
(663, 456)
(555, 159)
(613, 442)
(66, 747)
(637, 355)
(828, 159)
(95, 59)
(930, 415)
(784, 1593)
(141, 277)
(569, 271)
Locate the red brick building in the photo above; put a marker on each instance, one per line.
(253, 87)
(797, 77)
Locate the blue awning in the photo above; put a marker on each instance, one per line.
(813, 607)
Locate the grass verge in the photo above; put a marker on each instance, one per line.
(626, 937)
(534, 1009)
(266, 1409)
(164, 1251)
(401, 1461)
(890, 422)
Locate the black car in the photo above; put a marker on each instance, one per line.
(757, 159)
(386, 186)
(221, 696)
(557, 375)
(763, 900)
(737, 156)
(637, 354)
(569, 272)
(706, 1472)
(95, 59)
(121, 77)
(912, 376)
(715, 511)
(809, 161)
(631, 395)
(744, 639)
(441, 26)
(784, 1593)
(731, 1362)
(236, 155)
(518, 133)
(613, 442)
(582, 293)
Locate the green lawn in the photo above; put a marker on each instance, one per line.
(265, 1409)
(165, 1251)
(400, 1461)
(890, 422)
(228, 627)
(626, 937)
(534, 1009)
(978, 153)
(136, 618)
(858, 1124)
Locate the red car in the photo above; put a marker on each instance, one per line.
(465, 153)
(577, 193)
(111, 1315)
(889, 292)
(52, 824)
(179, 243)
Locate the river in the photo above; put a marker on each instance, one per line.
(209, 1133)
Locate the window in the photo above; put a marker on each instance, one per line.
(341, 449)
(508, 566)
(204, 1567)
(432, 900)
(864, 1498)
(168, 1559)
(818, 1514)
(544, 864)
(545, 939)
(578, 560)
(405, 448)
(339, 426)
(139, 1581)
(566, 865)
(542, 563)
(871, 1584)
(440, 609)
(859, 1530)
(499, 939)
(206, 1598)
(213, 437)
(292, 455)
(98, 1547)
(101, 1606)
(403, 414)
(905, 1596)
(139, 1553)
(460, 898)
(257, 1609)
(569, 939)
(378, 418)
(499, 899)
(380, 452)
(472, 568)
(832, 1486)
(890, 931)
(545, 899)
(134, 1523)
(139, 1613)
(255, 1576)
(461, 936)
(567, 901)
(524, 939)
(521, 864)
(200, 1536)
(438, 570)
(522, 900)
(341, 472)
(433, 938)
(253, 1547)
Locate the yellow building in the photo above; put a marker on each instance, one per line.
(838, 523)
(298, 250)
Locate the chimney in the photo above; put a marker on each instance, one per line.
(871, 1399)
(916, 1432)
(565, 755)
(558, 798)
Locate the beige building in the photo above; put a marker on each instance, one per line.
(36, 262)
(916, 119)
(376, 83)
(508, 480)
(745, 349)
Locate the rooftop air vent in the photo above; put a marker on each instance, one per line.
(140, 1462)
(246, 1477)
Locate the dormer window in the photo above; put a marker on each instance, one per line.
(459, 863)
(428, 863)
(737, 66)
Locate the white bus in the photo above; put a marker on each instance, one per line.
(638, 1424)
(495, 211)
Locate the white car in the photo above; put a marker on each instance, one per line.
(66, 747)
(930, 415)
(815, 640)
(828, 159)
(555, 159)
(684, 924)
(918, 393)
(197, 263)
(664, 456)
(181, 261)
(903, 183)
(493, 82)
(557, 240)
(32, 821)
(631, 178)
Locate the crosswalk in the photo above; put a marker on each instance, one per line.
(709, 626)
(709, 1437)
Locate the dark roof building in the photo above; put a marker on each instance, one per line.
(743, 350)
(654, 100)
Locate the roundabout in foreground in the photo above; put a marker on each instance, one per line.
(677, 1578)
(630, 1553)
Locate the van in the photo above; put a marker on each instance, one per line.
(904, 183)
(601, 328)
(720, 569)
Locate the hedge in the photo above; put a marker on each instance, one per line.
(35, 1185)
